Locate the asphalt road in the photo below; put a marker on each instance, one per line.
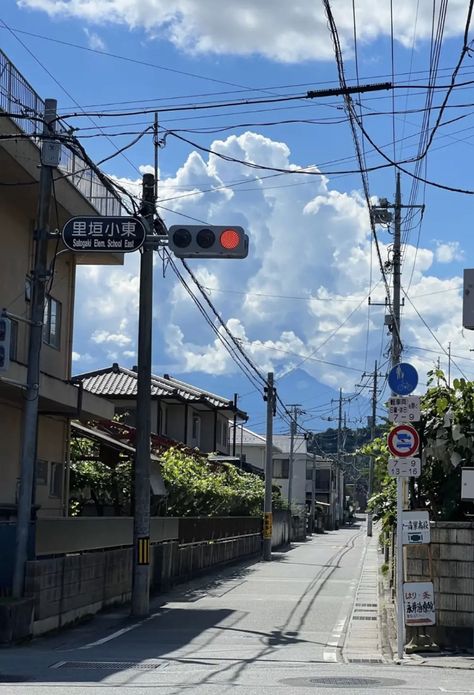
(253, 629)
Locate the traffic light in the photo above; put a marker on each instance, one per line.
(195, 240)
(5, 330)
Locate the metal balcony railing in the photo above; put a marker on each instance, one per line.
(17, 96)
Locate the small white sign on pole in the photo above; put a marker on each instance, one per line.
(418, 600)
(415, 528)
(402, 409)
(467, 484)
(404, 467)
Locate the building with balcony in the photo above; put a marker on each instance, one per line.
(77, 190)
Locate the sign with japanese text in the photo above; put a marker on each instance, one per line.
(404, 467)
(415, 528)
(267, 525)
(418, 600)
(104, 234)
(404, 409)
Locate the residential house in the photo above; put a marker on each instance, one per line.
(190, 416)
(328, 481)
(77, 191)
(251, 447)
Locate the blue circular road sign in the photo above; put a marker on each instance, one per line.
(403, 379)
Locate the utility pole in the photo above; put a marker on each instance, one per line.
(141, 520)
(449, 363)
(380, 214)
(50, 155)
(234, 429)
(313, 492)
(338, 459)
(370, 489)
(293, 429)
(267, 503)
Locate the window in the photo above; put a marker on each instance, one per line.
(309, 471)
(196, 429)
(281, 468)
(323, 476)
(41, 472)
(13, 339)
(225, 432)
(56, 480)
(52, 322)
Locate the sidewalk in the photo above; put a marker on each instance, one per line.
(443, 659)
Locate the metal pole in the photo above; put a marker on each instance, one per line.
(30, 412)
(396, 352)
(141, 522)
(371, 461)
(313, 492)
(293, 428)
(267, 504)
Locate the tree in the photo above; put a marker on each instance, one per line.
(447, 444)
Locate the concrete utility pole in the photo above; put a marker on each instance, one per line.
(50, 155)
(370, 489)
(338, 459)
(267, 504)
(293, 429)
(141, 521)
(313, 492)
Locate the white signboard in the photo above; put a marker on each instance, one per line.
(403, 409)
(418, 600)
(404, 467)
(415, 527)
(467, 484)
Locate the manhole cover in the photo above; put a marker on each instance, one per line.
(343, 682)
(112, 665)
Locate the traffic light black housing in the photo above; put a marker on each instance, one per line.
(5, 331)
(195, 240)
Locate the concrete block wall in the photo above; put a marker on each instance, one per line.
(452, 562)
(67, 588)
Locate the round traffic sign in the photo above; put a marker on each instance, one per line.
(403, 379)
(403, 441)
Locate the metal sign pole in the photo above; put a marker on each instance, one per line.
(399, 556)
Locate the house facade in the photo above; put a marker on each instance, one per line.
(79, 193)
(188, 415)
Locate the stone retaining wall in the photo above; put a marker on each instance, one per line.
(452, 562)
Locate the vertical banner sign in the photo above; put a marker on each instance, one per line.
(267, 525)
(143, 551)
(418, 599)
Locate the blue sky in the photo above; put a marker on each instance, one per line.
(299, 301)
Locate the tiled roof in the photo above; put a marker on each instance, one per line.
(118, 381)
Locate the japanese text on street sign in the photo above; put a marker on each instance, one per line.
(418, 599)
(415, 527)
(403, 440)
(404, 409)
(404, 467)
(104, 234)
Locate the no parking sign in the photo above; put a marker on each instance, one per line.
(403, 441)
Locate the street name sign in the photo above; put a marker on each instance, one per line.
(403, 379)
(415, 528)
(402, 409)
(418, 601)
(104, 234)
(403, 440)
(404, 467)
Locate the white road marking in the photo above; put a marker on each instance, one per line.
(119, 633)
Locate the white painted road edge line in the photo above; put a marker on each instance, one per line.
(118, 633)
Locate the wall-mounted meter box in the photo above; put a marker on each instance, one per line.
(467, 484)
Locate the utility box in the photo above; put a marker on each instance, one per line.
(467, 484)
(468, 299)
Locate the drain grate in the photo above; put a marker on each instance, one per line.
(366, 605)
(365, 660)
(113, 665)
(364, 617)
(342, 682)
